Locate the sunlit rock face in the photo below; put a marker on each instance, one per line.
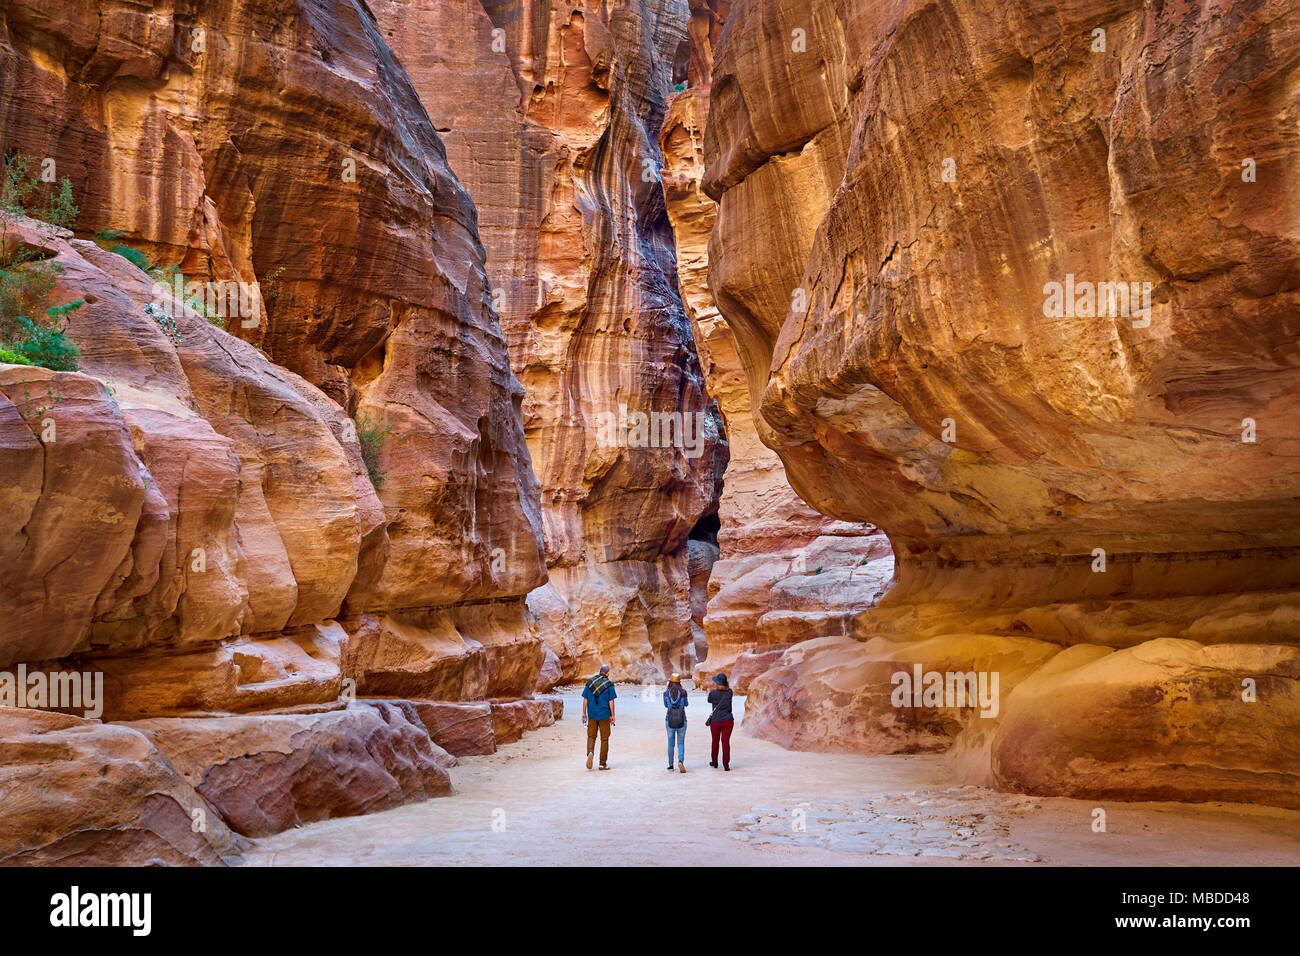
(766, 533)
(908, 194)
(551, 116)
(279, 145)
(171, 493)
(79, 792)
(191, 514)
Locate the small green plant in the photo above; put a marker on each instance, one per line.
(25, 284)
(371, 436)
(13, 358)
(133, 256)
(44, 345)
(22, 185)
(171, 278)
(38, 412)
(62, 210)
(60, 312)
(27, 273)
(199, 306)
(166, 321)
(271, 285)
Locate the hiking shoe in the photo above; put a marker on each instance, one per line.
(588, 761)
(725, 767)
(670, 767)
(713, 765)
(680, 766)
(603, 767)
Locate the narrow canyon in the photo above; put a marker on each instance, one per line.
(374, 371)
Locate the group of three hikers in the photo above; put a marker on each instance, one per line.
(598, 715)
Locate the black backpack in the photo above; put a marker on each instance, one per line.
(676, 712)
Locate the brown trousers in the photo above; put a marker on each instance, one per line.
(603, 727)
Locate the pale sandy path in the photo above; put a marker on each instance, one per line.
(555, 811)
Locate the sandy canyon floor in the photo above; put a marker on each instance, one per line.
(535, 803)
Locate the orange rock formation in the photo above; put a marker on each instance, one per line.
(901, 186)
(551, 113)
(785, 572)
(991, 308)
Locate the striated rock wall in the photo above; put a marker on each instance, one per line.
(900, 184)
(281, 506)
(551, 116)
(768, 538)
(279, 142)
(78, 792)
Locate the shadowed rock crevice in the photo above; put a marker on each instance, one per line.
(554, 116)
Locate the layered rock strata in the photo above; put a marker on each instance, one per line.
(769, 540)
(1019, 287)
(291, 468)
(551, 116)
(79, 792)
(364, 277)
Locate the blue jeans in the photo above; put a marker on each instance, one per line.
(680, 734)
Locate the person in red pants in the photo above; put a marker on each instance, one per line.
(721, 721)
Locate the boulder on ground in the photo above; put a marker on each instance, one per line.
(511, 719)
(77, 792)
(267, 773)
(1166, 720)
(462, 728)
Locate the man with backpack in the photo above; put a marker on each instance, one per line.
(598, 714)
(675, 720)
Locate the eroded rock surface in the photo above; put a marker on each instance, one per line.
(839, 694)
(267, 773)
(1176, 693)
(360, 256)
(551, 115)
(899, 186)
(766, 533)
(226, 495)
(80, 793)
(320, 490)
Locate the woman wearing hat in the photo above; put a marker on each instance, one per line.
(675, 721)
(721, 721)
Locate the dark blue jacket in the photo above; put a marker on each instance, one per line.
(721, 701)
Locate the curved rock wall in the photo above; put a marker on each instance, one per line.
(551, 115)
(279, 145)
(770, 541)
(900, 186)
(192, 513)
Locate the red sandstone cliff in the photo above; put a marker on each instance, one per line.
(551, 115)
(308, 552)
(786, 573)
(200, 527)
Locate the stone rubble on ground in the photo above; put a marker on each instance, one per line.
(962, 823)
